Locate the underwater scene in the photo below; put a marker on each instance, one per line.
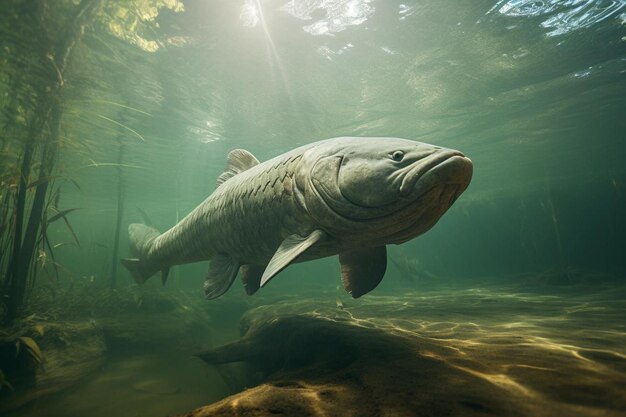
(312, 208)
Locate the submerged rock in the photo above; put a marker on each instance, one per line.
(319, 367)
(495, 354)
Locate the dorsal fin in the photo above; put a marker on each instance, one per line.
(238, 161)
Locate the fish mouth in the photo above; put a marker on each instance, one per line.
(444, 167)
(426, 211)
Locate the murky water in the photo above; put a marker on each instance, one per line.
(130, 109)
(139, 384)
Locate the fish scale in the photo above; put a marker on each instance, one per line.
(249, 199)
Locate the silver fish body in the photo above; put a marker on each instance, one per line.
(346, 196)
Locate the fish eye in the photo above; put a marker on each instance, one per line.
(397, 156)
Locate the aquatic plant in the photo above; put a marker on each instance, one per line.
(44, 37)
(4, 383)
(120, 201)
(53, 41)
(20, 355)
(29, 346)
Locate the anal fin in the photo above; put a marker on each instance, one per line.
(251, 277)
(362, 269)
(138, 269)
(222, 273)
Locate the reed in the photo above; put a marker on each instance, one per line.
(27, 209)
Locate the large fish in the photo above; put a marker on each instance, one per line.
(345, 196)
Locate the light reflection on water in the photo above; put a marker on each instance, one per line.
(561, 16)
(338, 14)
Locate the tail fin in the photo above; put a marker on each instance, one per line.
(141, 238)
(145, 218)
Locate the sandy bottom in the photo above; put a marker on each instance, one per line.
(136, 385)
(474, 352)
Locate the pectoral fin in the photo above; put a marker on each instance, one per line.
(362, 269)
(221, 275)
(292, 247)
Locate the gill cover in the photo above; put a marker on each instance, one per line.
(332, 179)
(370, 179)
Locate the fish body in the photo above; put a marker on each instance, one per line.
(343, 196)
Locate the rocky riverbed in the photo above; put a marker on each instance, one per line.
(462, 352)
(471, 352)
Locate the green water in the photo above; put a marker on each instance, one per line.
(151, 97)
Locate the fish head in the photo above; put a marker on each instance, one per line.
(384, 189)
